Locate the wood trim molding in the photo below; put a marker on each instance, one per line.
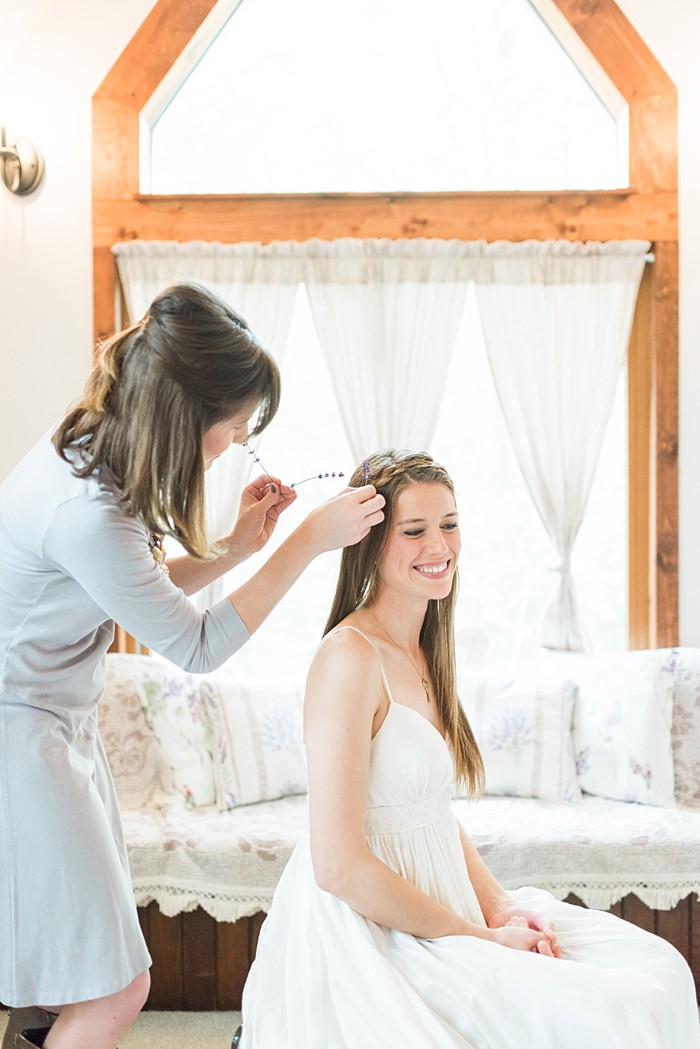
(648, 210)
(568, 215)
(640, 369)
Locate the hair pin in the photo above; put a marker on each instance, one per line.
(365, 471)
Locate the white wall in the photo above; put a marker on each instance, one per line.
(54, 56)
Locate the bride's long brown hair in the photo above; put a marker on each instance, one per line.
(157, 387)
(390, 471)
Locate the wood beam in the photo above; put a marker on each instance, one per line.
(614, 214)
(159, 41)
(643, 83)
(641, 539)
(665, 444)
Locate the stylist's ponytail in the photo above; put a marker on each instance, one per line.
(83, 420)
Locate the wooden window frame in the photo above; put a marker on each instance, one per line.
(647, 210)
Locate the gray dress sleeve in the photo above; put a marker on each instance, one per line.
(106, 553)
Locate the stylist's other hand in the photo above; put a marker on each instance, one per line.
(262, 502)
(345, 518)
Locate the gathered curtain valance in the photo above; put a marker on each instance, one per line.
(556, 317)
(149, 265)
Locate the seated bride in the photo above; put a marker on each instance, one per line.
(387, 929)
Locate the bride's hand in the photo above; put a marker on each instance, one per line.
(519, 937)
(509, 915)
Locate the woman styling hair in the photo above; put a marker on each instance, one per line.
(387, 929)
(81, 525)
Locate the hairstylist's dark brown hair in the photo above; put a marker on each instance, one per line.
(189, 363)
(390, 471)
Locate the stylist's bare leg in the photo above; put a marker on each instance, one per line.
(100, 1023)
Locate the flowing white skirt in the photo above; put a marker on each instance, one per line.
(327, 978)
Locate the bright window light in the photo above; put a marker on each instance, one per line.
(379, 95)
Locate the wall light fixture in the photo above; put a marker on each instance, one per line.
(21, 165)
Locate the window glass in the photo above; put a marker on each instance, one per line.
(379, 95)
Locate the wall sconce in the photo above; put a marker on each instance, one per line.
(21, 165)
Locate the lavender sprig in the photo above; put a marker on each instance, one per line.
(316, 477)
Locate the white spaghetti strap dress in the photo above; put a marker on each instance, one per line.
(327, 978)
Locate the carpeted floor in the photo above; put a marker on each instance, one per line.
(154, 1030)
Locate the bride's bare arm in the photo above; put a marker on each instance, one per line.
(344, 696)
(496, 905)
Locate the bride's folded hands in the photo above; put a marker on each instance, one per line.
(521, 936)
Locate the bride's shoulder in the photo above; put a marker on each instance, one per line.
(347, 648)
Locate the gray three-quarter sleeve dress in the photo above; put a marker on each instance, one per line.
(71, 563)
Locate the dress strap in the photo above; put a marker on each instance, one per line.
(370, 642)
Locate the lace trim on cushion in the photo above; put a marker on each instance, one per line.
(221, 906)
(231, 906)
(662, 895)
(397, 819)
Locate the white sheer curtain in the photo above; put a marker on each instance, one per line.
(260, 282)
(387, 314)
(557, 319)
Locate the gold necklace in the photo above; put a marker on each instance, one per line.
(423, 679)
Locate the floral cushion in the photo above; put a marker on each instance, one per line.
(139, 769)
(685, 732)
(174, 708)
(256, 737)
(622, 725)
(523, 727)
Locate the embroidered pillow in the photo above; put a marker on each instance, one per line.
(174, 707)
(139, 769)
(257, 739)
(622, 725)
(522, 724)
(685, 729)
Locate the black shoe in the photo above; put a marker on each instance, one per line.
(30, 1038)
(237, 1038)
(24, 1019)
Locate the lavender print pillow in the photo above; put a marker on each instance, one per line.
(139, 768)
(172, 702)
(523, 727)
(257, 740)
(622, 725)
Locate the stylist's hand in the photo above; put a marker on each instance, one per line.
(345, 518)
(259, 512)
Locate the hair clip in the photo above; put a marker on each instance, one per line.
(365, 471)
(316, 477)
